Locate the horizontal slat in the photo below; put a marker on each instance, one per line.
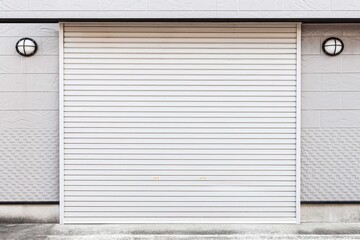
(175, 188)
(170, 51)
(165, 146)
(181, 178)
(85, 55)
(185, 158)
(179, 45)
(178, 35)
(181, 204)
(259, 113)
(147, 183)
(164, 87)
(172, 194)
(177, 117)
(119, 106)
(167, 172)
(213, 220)
(183, 110)
(181, 94)
(179, 162)
(176, 72)
(184, 24)
(175, 28)
(140, 150)
(271, 117)
(103, 128)
(179, 61)
(181, 214)
(179, 167)
(166, 40)
(249, 102)
(112, 67)
(213, 128)
(92, 116)
(204, 77)
(177, 220)
(118, 138)
(193, 82)
(134, 135)
(244, 105)
(197, 102)
(180, 209)
(177, 199)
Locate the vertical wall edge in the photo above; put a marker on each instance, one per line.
(298, 123)
(61, 122)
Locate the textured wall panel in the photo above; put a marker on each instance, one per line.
(29, 165)
(331, 164)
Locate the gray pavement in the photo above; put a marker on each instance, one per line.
(307, 231)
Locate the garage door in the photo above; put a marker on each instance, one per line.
(179, 122)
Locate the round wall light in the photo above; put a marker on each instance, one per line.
(26, 47)
(333, 46)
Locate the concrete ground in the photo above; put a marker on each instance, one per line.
(307, 231)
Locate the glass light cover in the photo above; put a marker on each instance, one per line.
(26, 47)
(333, 46)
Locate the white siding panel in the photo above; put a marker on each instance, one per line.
(179, 122)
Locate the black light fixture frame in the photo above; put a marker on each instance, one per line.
(25, 54)
(335, 39)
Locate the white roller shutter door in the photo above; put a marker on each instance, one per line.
(179, 122)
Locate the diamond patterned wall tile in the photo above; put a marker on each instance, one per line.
(330, 164)
(29, 167)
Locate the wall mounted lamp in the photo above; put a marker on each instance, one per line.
(26, 47)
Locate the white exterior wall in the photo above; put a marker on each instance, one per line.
(180, 9)
(331, 115)
(29, 115)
